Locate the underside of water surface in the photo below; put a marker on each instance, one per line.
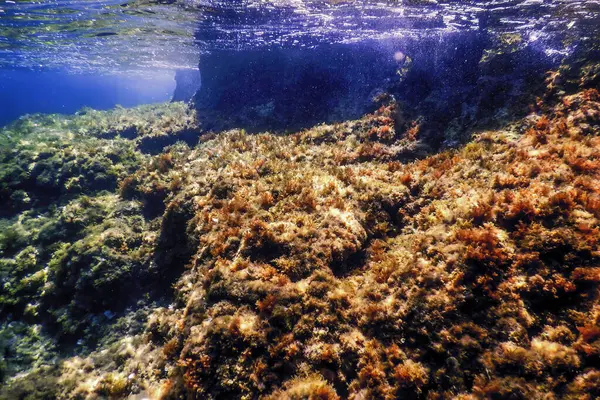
(343, 200)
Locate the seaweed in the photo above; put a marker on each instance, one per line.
(336, 262)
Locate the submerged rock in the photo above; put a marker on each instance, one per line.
(347, 260)
(290, 89)
(451, 84)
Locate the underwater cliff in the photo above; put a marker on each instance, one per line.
(146, 254)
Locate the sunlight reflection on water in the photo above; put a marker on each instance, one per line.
(169, 34)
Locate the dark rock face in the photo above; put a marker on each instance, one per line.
(446, 81)
(463, 82)
(293, 88)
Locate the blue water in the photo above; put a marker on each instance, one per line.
(25, 91)
(100, 53)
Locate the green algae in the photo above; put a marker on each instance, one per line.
(133, 123)
(23, 346)
(74, 256)
(62, 228)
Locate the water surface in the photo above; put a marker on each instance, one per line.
(170, 34)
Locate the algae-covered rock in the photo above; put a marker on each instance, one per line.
(74, 256)
(38, 168)
(348, 260)
(22, 347)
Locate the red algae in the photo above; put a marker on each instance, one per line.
(322, 266)
(470, 274)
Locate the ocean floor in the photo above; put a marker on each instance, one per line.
(143, 257)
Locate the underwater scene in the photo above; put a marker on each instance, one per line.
(299, 199)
